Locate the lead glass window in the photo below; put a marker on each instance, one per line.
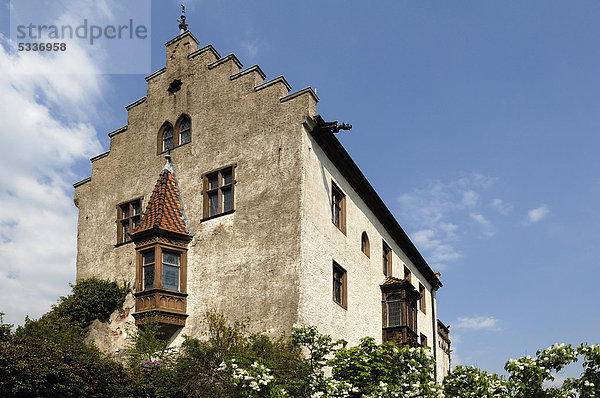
(148, 269)
(170, 270)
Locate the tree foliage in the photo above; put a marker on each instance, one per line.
(49, 357)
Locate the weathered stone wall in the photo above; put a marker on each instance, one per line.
(245, 263)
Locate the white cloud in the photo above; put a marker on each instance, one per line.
(538, 213)
(470, 198)
(477, 323)
(488, 229)
(44, 138)
(251, 48)
(500, 206)
(441, 212)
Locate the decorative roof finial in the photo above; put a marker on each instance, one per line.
(182, 25)
(168, 164)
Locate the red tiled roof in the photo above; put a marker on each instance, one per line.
(390, 280)
(164, 211)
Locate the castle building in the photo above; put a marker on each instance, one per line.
(258, 212)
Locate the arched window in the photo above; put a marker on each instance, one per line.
(185, 130)
(364, 245)
(167, 137)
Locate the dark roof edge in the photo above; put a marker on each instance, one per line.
(80, 183)
(254, 68)
(307, 90)
(346, 166)
(158, 72)
(102, 155)
(136, 103)
(117, 131)
(181, 36)
(203, 50)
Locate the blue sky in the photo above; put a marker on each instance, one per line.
(476, 122)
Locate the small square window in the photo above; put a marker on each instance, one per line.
(340, 286)
(338, 208)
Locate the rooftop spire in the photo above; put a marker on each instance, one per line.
(182, 25)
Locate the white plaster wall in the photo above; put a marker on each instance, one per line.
(322, 242)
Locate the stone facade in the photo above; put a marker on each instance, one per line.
(270, 258)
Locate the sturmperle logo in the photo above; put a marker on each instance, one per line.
(107, 36)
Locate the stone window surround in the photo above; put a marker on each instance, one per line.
(386, 259)
(338, 208)
(342, 283)
(219, 190)
(176, 134)
(122, 238)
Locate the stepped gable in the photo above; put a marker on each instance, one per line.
(164, 212)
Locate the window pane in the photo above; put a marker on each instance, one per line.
(394, 313)
(148, 258)
(213, 203)
(136, 207)
(125, 210)
(126, 237)
(168, 133)
(170, 258)
(213, 181)
(185, 137)
(226, 199)
(136, 221)
(168, 143)
(170, 277)
(148, 277)
(226, 176)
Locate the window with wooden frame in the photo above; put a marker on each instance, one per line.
(338, 208)
(167, 137)
(161, 268)
(365, 247)
(394, 311)
(387, 259)
(422, 300)
(128, 217)
(218, 192)
(407, 273)
(340, 285)
(423, 340)
(184, 130)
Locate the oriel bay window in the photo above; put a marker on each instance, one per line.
(399, 311)
(218, 192)
(166, 274)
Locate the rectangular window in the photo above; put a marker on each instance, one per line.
(387, 260)
(340, 286)
(128, 217)
(423, 340)
(170, 270)
(148, 269)
(394, 315)
(218, 192)
(422, 300)
(338, 208)
(407, 273)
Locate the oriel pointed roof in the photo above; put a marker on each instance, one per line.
(164, 212)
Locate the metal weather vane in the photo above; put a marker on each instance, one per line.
(182, 24)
